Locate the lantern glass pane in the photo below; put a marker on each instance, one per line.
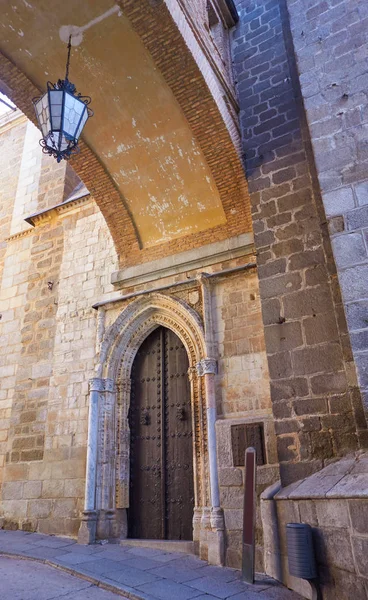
(73, 109)
(58, 141)
(82, 123)
(56, 100)
(43, 114)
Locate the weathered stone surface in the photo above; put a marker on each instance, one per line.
(360, 548)
(230, 477)
(359, 515)
(333, 513)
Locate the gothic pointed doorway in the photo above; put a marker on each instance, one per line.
(161, 492)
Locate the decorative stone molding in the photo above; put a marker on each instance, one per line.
(97, 384)
(137, 320)
(217, 519)
(59, 209)
(209, 254)
(192, 372)
(19, 234)
(110, 393)
(207, 366)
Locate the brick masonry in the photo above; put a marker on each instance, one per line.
(330, 40)
(316, 402)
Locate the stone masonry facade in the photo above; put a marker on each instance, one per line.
(330, 41)
(315, 397)
(52, 275)
(271, 307)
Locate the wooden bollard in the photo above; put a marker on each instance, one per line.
(249, 516)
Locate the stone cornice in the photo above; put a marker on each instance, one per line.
(45, 215)
(59, 209)
(235, 247)
(18, 235)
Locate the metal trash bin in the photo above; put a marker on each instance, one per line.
(301, 558)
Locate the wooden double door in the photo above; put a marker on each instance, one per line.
(161, 444)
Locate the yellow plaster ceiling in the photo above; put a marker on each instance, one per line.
(138, 130)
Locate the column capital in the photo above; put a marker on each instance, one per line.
(97, 384)
(207, 366)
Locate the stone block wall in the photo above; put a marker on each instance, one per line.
(330, 40)
(334, 503)
(231, 480)
(53, 274)
(243, 397)
(53, 356)
(243, 386)
(11, 147)
(315, 399)
(49, 277)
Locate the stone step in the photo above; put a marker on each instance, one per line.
(164, 545)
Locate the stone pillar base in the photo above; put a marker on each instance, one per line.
(104, 524)
(216, 537)
(87, 529)
(216, 548)
(119, 524)
(212, 536)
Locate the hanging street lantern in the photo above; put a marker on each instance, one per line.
(61, 114)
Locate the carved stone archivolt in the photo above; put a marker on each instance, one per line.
(118, 345)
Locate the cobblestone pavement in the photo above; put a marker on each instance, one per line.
(132, 572)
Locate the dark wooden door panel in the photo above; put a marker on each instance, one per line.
(161, 457)
(178, 439)
(146, 504)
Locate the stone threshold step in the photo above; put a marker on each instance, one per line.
(164, 545)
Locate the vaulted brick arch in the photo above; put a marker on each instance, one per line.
(209, 108)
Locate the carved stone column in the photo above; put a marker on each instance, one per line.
(105, 483)
(207, 368)
(123, 444)
(87, 530)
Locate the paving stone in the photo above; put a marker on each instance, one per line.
(164, 558)
(169, 590)
(115, 554)
(187, 562)
(163, 576)
(102, 566)
(140, 562)
(223, 574)
(175, 573)
(277, 594)
(76, 559)
(247, 596)
(79, 549)
(56, 543)
(221, 589)
(46, 553)
(205, 597)
(130, 576)
(91, 593)
(148, 552)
